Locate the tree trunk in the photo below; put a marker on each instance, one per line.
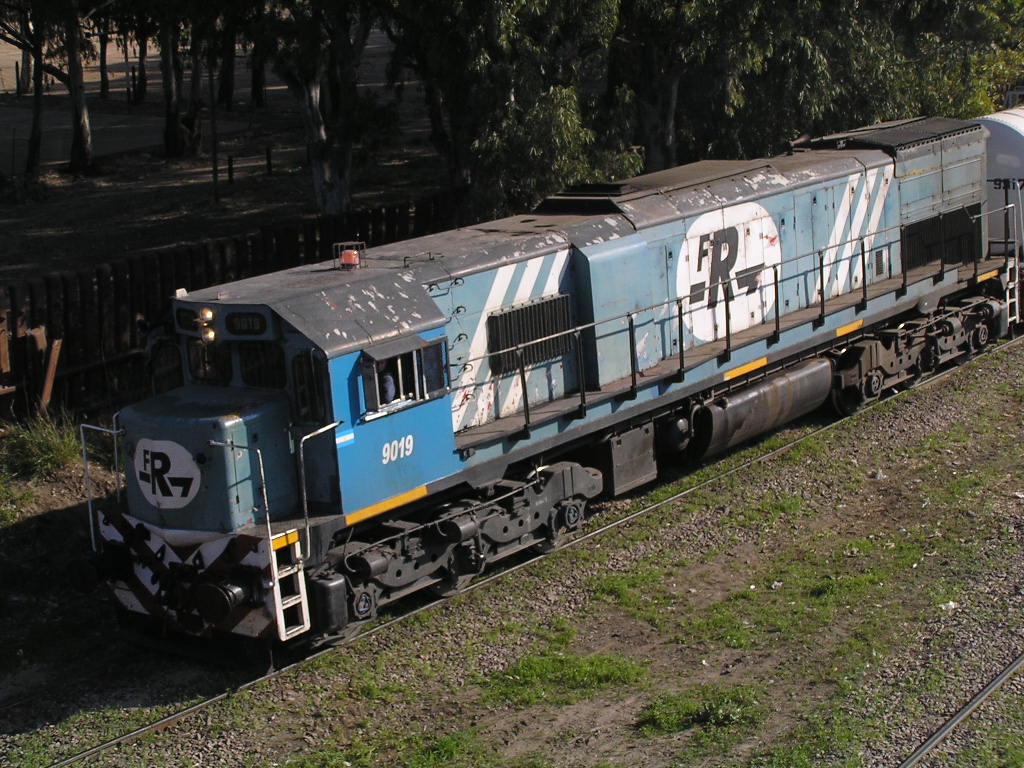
(35, 137)
(127, 69)
(226, 87)
(179, 65)
(81, 135)
(258, 60)
(438, 131)
(174, 145)
(213, 132)
(258, 84)
(657, 123)
(102, 38)
(192, 122)
(27, 74)
(142, 81)
(195, 87)
(331, 164)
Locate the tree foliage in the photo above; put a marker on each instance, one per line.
(762, 73)
(510, 90)
(525, 97)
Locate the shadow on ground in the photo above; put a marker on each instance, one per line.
(63, 653)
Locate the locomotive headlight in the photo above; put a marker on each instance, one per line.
(206, 315)
(209, 335)
(215, 600)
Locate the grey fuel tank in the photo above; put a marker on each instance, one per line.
(732, 419)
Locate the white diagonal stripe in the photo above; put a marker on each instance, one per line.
(515, 391)
(463, 391)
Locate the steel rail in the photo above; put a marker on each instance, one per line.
(181, 714)
(939, 735)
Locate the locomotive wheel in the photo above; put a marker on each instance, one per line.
(873, 384)
(980, 337)
(568, 517)
(464, 564)
(451, 584)
(929, 359)
(847, 401)
(258, 653)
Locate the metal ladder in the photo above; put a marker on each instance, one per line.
(1013, 214)
(1012, 278)
(291, 603)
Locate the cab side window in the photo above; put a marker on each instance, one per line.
(308, 384)
(400, 380)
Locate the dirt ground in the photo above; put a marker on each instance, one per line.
(818, 580)
(137, 200)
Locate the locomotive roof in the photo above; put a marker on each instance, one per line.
(388, 297)
(896, 137)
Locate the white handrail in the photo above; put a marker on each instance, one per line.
(115, 432)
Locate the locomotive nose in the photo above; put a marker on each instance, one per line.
(193, 458)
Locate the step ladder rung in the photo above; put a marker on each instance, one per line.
(285, 629)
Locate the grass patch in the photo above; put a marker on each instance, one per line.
(805, 590)
(560, 677)
(640, 592)
(40, 447)
(999, 745)
(708, 707)
(459, 749)
(769, 509)
(11, 500)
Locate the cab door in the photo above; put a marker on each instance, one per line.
(393, 444)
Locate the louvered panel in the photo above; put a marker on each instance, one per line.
(521, 325)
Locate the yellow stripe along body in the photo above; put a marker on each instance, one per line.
(753, 365)
(849, 327)
(384, 506)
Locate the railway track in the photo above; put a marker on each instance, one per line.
(923, 750)
(929, 745)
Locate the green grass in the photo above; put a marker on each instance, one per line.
(40, 447)
(640, 592)
(560, 677)
(12, 500)
(457, 749)
(769, 510)
(804, 590)
(707, 707)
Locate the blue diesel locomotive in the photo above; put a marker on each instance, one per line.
(398, 418)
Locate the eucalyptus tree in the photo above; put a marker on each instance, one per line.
(316, 48)
(686, 60)
(25, 24)
(510, 89)
(728, 78)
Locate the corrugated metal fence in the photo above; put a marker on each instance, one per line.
(77, 338)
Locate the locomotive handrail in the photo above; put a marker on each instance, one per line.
(302, 478)
(984, 214)
(634, 312)
(627, 321)
(114, 432)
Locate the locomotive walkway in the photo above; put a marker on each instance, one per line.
(723, 348)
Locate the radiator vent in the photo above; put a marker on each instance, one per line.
(511, 327)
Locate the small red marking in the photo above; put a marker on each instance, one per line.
(771, 238)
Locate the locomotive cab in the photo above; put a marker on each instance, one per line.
(278, 437)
